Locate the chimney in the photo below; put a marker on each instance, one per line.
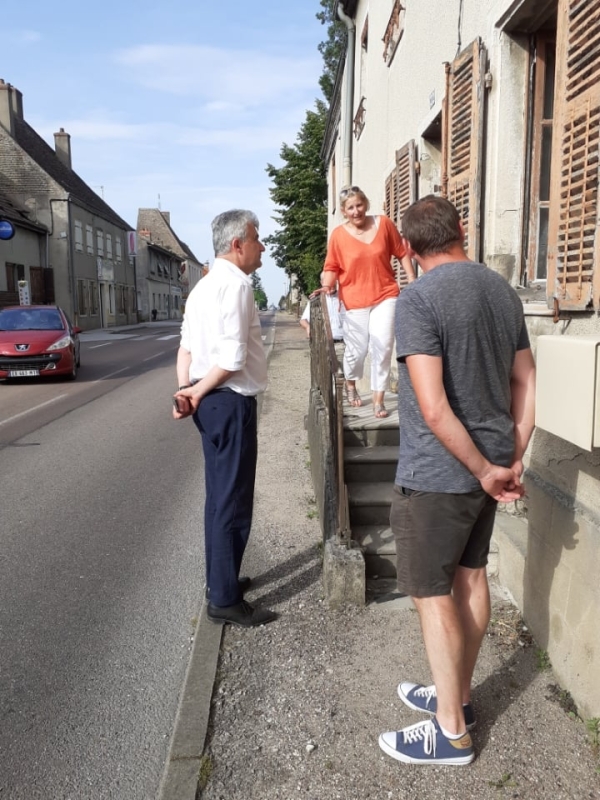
(7, 113)
(62, 145)
(17, 102)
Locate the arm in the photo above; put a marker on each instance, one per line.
(306, 325)
(522, 410)
(213, 379)
(426, 376)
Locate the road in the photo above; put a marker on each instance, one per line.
(101, 571)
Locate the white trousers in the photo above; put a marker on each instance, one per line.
(370, 330)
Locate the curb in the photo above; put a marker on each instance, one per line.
(182, 771)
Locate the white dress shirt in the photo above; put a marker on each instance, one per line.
(221, 327)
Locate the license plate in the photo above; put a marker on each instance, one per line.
(23, 373)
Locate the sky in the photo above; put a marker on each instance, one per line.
(175, 105)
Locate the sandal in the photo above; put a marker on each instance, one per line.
(353, 396)
(380, 411)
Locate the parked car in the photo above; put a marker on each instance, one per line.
(37, 341)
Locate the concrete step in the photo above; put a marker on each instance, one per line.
(371, 436)
(369, 503)
(370, 463)
(379, 549)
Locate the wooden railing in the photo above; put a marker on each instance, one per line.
(328, 379)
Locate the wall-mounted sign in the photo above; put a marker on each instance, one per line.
(7, 229)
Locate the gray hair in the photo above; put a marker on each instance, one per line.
(231, 225)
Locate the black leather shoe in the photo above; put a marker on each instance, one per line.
(244, 583)
(242, 614)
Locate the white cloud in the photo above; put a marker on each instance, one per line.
(239, 77)
(21, 36)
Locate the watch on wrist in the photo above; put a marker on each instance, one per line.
(185, 386)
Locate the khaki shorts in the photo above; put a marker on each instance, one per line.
(435, 533)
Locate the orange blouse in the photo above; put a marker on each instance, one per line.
(364, 271)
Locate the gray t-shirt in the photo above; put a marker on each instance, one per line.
(472, 318)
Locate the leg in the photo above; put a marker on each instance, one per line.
(228, 421)
(472, 597)
(445, 646)
(442, 542)
(356, 338)
(381, 345)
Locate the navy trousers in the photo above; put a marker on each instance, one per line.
(227, 422)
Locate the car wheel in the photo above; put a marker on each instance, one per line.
(73, 374)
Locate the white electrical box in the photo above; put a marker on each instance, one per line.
(567, 401)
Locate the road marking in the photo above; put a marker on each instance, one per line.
(165, 338)
(96, 346)
(35, 408)
(156, 355)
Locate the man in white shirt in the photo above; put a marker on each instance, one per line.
(221, 367)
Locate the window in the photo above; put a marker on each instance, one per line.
(99, 242)
(540, 149)
(109, 247)
(111, 299)
(82, 298)
(93, 299)
(78, 236)
(118, 249)
(393, 32)
(89, 240)
(359, 118)
(121, 299)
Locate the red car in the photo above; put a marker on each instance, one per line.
(37, 341)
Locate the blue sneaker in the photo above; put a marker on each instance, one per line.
(424, 743)
(424, 698)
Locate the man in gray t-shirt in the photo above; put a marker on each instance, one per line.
(466, 409)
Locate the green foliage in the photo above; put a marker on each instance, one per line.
(260, 296)
(543, 660)
(504, 782)
(333, 48)
(299, 192)
(593, 728)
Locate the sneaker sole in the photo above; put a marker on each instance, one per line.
(458, 761)
(407, 702)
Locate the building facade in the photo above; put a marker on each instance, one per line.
(85, 266)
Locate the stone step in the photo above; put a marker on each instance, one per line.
(370, 463)
(378, 548)
(369, 503)
(377, 435)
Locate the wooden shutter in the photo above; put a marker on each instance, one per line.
(400, 192)
(462, 140)
(406, 193)
(573, 225)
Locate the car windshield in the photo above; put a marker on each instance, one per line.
(38, 319)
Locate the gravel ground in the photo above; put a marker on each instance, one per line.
(298, 705)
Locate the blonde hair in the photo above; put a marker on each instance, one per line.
(353, 191)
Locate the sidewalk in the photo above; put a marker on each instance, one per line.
(297, 706)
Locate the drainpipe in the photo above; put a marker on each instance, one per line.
(349, 99)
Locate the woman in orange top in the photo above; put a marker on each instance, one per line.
(358, 257)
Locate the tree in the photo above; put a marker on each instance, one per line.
(300, 194)
(260, 297)
(333, 48)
